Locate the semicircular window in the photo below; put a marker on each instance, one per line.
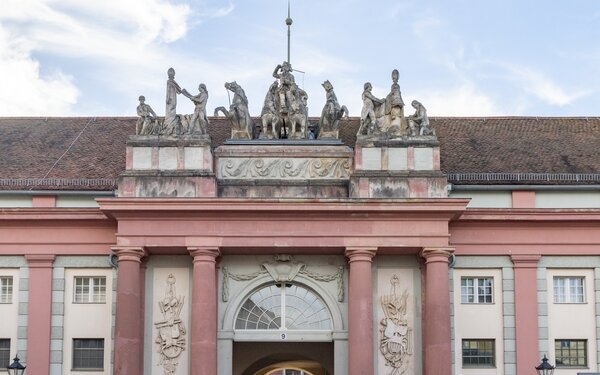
(284, 306)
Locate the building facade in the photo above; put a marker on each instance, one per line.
(473, 250)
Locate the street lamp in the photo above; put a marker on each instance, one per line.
(545, 368)
(16, 368)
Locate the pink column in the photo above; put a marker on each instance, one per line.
(39, 313)
(436, 318)
(128, 320)
(526, 312)
(360, 311)
(203, 334)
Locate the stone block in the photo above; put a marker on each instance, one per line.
(398, 159)
(167, 158)
(193, 158)
(423, 159)
(371, 158)
(142, 158)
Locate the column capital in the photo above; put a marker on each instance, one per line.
(204, 253)
(360, 253)
(437, 254)
(525, 260)
(40, 260)
(129, 253)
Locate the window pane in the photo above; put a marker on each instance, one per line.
(303, 309)
(6, 289)
(478, 352)
(571, 353)
(4, 353)
(568, 289)
(90, 290)
(88, 354)
(477, 290)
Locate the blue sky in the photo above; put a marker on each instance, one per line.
(459, 58)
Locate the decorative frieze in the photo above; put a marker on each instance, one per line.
(288, 168)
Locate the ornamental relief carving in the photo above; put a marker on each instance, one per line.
(283, 270)
(395, 334)
(170, 330)
(290, 168)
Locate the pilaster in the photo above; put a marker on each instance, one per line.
(437, 359)
(360, 310)
(203, 334)
(39, 313)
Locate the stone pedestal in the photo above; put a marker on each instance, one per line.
(168, 167)
(399, 168)
(283, 169)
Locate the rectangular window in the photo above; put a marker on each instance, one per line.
(570, 353)
(477, 289)
(88, 354)
(478, 352)
(90, 289)
(4, 353)
(6, 289)
(568, 289)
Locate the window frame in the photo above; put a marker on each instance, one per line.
(5, 350)
(569, 298)
(476, 294)
(478, 365)
(91, 290)
(74, 350)
(8, 287)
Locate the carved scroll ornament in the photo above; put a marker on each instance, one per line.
(284, 270)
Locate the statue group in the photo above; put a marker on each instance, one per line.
(285, 113)
(174, 125)
(384, 118)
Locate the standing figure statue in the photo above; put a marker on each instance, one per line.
(394, 109)
(287, 100)
(242, 126)
(329, 125)
(368, 115)
(172, 121)
(270, 115)
(418, 124)
(146, 124)
(199, 122)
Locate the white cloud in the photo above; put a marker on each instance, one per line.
(543, 87)
(463, 100)
(25, 92)
(123, 39)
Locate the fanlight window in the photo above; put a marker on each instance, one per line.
(284, 306)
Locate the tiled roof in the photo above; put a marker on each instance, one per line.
(86, 153)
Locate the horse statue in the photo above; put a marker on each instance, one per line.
(242, 126)
(329, 125)
(298, 118)
(271, 125)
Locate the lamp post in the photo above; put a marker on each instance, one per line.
(545, 368)
(16, 368)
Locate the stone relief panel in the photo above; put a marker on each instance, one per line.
(289, 169)
(395, 317)
(284, 269)
(170, 320)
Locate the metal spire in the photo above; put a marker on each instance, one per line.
(288, 22)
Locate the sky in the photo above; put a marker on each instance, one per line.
(459, 57)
